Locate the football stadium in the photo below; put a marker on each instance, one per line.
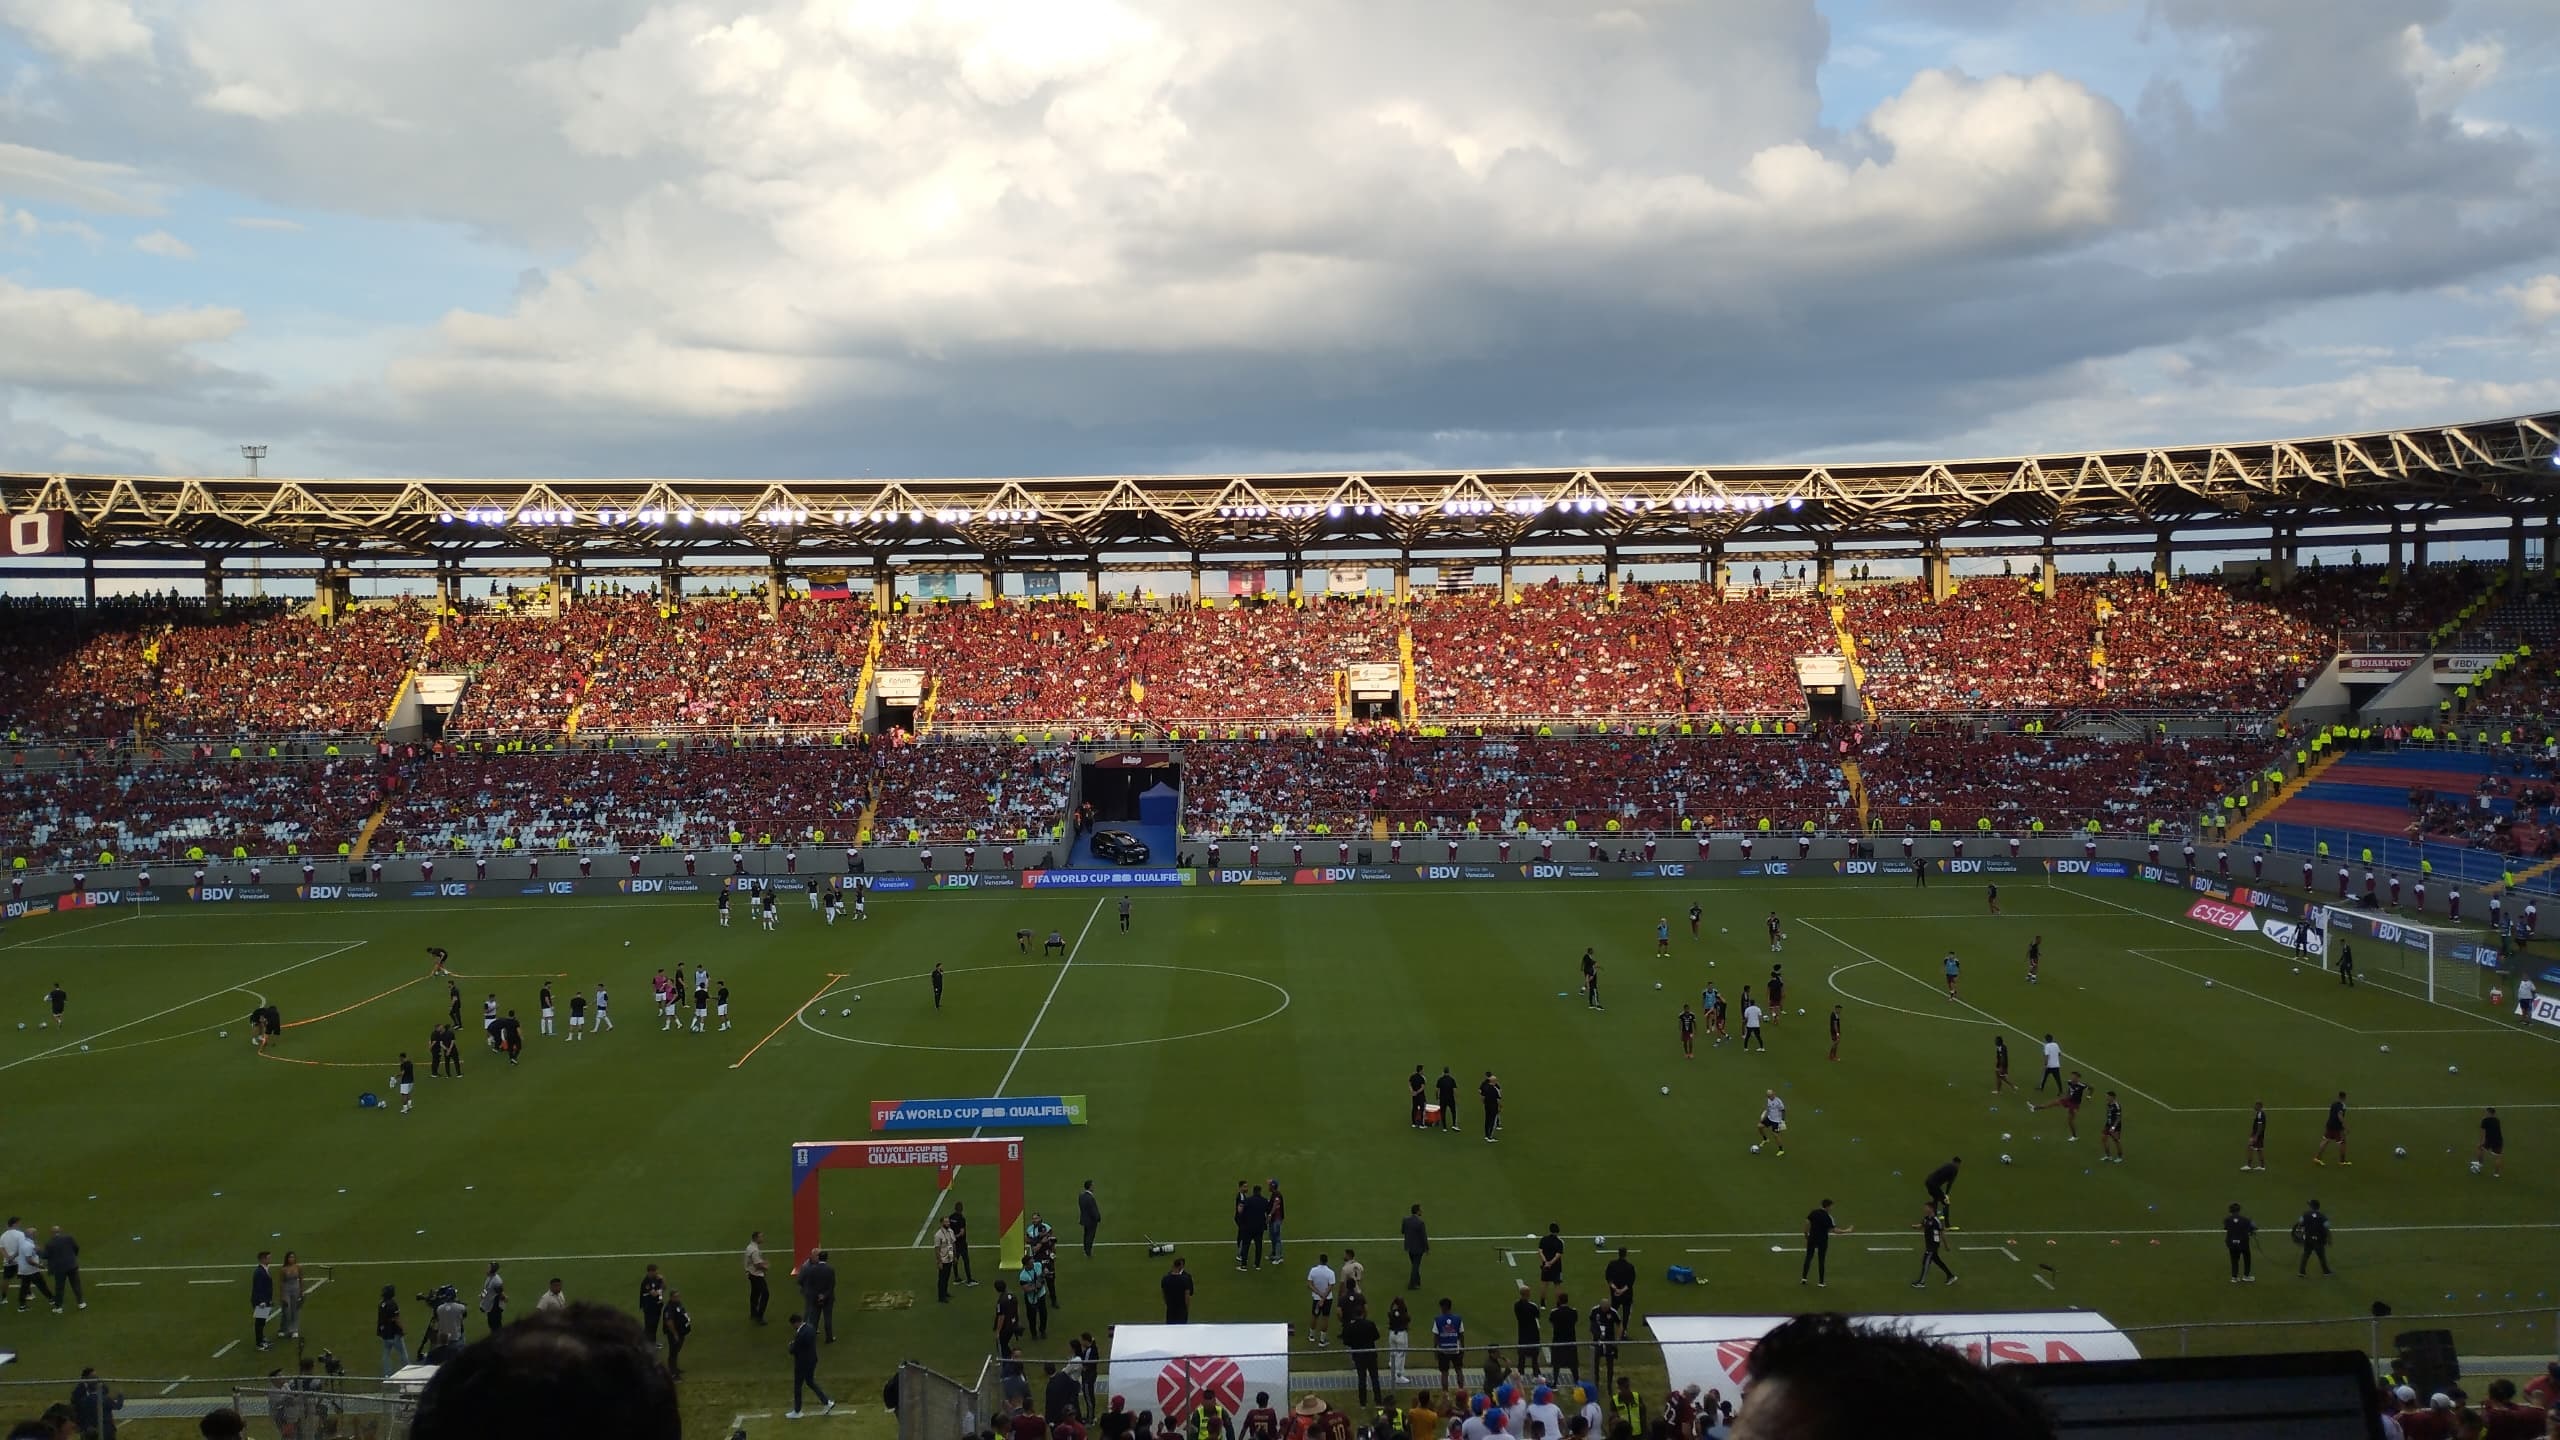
(1484, 935)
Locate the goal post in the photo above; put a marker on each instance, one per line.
(812, 1159)
(2430, 961)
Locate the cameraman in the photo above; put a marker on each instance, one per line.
(387, 1328)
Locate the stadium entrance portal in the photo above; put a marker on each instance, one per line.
(1134, 793)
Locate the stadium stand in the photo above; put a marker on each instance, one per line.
(626, 800)
(961, 791)
(73, 814)
(1956, 779)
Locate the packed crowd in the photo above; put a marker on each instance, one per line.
(1957, 778)
(1559, 649)
(1343, 784)
(1046, 661)
(626, 799)
(72, 815)
(960, 792)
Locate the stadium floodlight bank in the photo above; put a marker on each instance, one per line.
(2427, 960)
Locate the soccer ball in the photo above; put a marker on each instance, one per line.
(626, 944)
(23, 1024)
(844, 1009)
(2386, 1049)
(1656, 985)
(2004, 1134)
(2004, 1159)
(225, 1035)
(1722, 931)
(1666, 1089)
(84, 1049)
(857, 999)
(2475, 1167)
(2208, 984)
(2453, 1069)
(1755, 1149)
(2399, 1152)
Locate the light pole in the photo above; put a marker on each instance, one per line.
(257, 582)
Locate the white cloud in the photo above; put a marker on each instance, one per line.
(91, 185)
(81, 31)
(74, 339)
(164, 245)
(2537, 299)
(2443, 81)
(266, 222)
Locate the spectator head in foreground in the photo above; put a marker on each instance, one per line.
(583, 1369)
(1820, 1377)
(222, 1424)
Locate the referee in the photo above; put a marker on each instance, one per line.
(2239, 1236)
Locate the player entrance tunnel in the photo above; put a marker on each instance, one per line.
(1137, 791)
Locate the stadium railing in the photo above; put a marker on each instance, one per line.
(933, 1406)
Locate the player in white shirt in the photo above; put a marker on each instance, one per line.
(667, 1004)
(1773, 1123)
(1320, 1283)
(1751, 1028)
(604, 1016)
(701, 977)
(2052, 1064)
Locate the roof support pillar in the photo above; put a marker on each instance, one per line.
(2398, 556)
(1404, 577)
(2048, 569)
(2515, 549)
(1093, 579)
(213, 583)
(1609, 571)
(994, 573)
(2160, 559)
(1826, 566)
(1195, 580)
(1506, 577)
(2418, 543)
(89, 578)
(670, 582)
(777, 574)
(1936, 572)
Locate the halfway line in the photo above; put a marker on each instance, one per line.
(1018, 1052)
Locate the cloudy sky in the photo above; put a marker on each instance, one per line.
(1046, 236)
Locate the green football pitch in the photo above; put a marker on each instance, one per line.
(1247, 1033)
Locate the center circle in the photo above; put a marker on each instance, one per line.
(816, 1010)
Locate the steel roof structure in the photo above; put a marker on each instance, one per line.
(2488, 468)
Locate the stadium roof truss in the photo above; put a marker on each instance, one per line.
(2496, 467)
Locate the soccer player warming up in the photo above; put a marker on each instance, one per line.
(1777, 934)
(2493, 1146)
(2334, 1133)
(2255, 1157)
(1688, 1047)
(2111, 1131)
(2035, 958)
(1953, 970)
(2074, 1091)
(2000, 1065)
(1835, 1032)
(1773, 1123)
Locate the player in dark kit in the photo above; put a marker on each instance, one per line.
(1591, 981)
(1056, 944)
(1421, 1088)
(1777, 992)
(1490, 1092)
(1777, 935)
(1933, 1234)
(1695, 915)
(937, 985)
(2334, 1132)
(1688, 1032)
(1941, 1184)
(2239, 1237)
(1993, 891)
(2035, 958)
(436, 953)
(2493, 1145)
(453, 1005)
(2255, 1157)
(2111, 1131)
(1835, 1032)
(1819, 1227)
(55, 1000)
(1448, 1085)
(2000, 1065)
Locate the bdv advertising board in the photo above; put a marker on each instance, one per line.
(1713, 1352)
(1166, 1368)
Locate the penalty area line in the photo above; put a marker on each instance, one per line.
(832, 979)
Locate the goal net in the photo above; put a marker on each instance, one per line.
(2429, 961)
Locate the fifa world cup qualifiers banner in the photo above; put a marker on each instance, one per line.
(1009, 1110)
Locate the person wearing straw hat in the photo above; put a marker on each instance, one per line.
(1312, 1419)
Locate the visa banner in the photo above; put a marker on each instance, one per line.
(1007, 1110)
